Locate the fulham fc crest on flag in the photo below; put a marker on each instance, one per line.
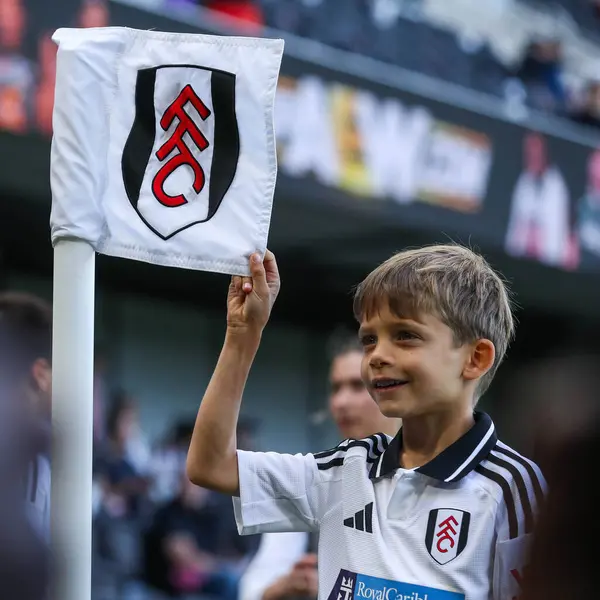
(164, 146)
(187, 158)
(447, 533)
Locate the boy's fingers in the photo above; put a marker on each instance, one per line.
(270, 265)
(246, 283)
(259, 278)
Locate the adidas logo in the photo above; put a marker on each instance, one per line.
(362, 520)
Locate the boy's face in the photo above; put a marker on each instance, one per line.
(413, 367)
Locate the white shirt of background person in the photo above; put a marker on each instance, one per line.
(356, 416)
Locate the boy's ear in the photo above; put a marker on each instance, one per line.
(480, 360)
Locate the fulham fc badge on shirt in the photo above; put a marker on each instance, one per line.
(447, 533)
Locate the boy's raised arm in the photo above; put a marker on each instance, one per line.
(212, 459)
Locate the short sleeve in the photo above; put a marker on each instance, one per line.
(279, 492)
(515, 526)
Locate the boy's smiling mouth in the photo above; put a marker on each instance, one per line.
(384, 384)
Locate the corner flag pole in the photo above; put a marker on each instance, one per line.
(72, 419)
(106, 164)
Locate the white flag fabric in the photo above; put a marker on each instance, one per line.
(164, 148)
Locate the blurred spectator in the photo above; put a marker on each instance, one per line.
(168, 462)
(247, 12)
(285, 565)
(99, 398)
(94, 13)
(13, 113)
(588, 215)
(12, 24)
(246, 434)
(119, 518)
(25, 399)
(540, 218)
(44, 99)
(541, 73)
(589, 112)
(123, 483)
(16, 72)
(186, 550)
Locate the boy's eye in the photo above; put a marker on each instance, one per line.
(407, 335)
(368, 340)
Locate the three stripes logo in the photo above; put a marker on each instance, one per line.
(362, 520)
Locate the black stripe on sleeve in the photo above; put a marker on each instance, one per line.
(521, 488)
(537, 487)
(513, 526)
(326, 453)
(379, 440)
(334, 462)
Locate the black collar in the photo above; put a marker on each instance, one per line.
(454, 462)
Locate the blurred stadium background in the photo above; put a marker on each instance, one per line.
(399, 122)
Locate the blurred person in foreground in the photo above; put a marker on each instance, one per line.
(285, 565)
(561, 423)
(565, 553)
(25, 409)
(562, 400)
(442, 510)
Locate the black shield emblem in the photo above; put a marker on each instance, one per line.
(177, 139)
(447, 533)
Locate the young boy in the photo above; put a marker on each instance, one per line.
(443, 511)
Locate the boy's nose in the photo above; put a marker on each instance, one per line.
(380, 356)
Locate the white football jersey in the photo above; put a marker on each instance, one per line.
(456, 528)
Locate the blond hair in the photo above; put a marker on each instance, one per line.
(450, 282)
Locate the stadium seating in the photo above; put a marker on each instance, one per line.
(463, 42)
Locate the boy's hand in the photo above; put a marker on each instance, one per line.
(250, 299)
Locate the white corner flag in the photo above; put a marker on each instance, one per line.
(163, 151)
